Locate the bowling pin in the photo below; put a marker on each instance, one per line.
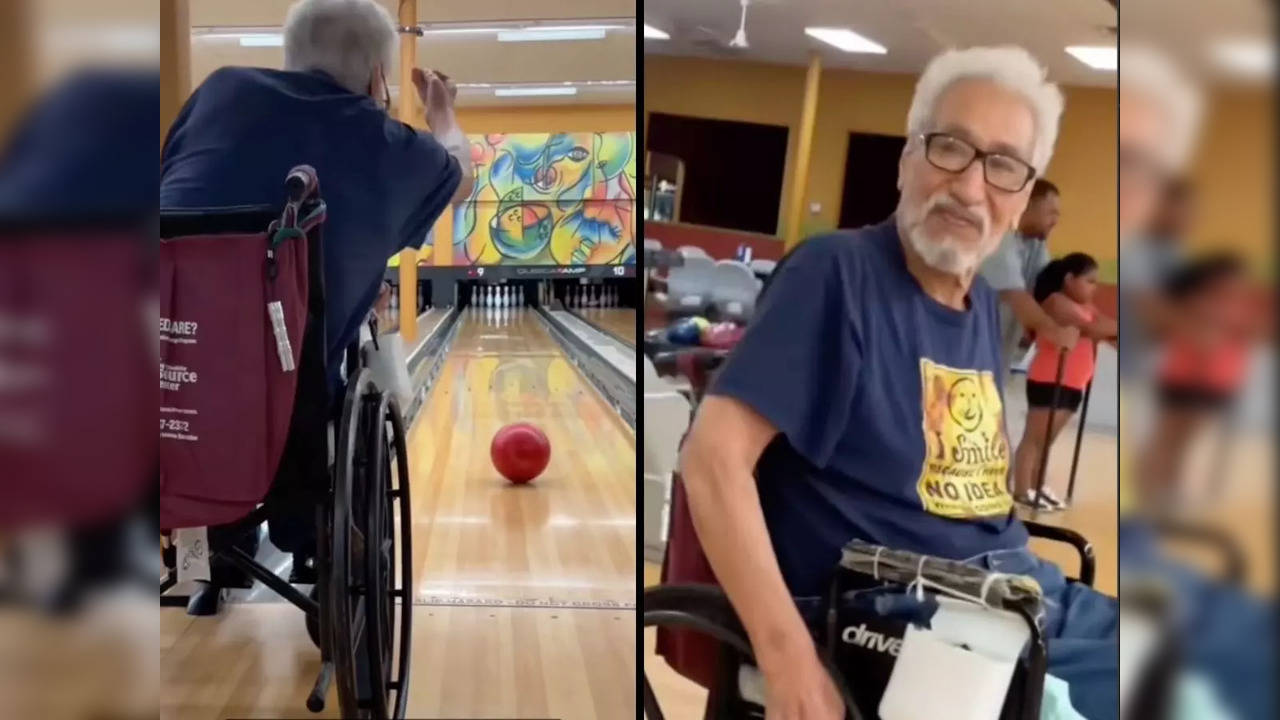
(502, 296)
(582, 296)
(489, 298)
(506, 296)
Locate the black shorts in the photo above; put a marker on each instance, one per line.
(1192, 397)
(1040, 395)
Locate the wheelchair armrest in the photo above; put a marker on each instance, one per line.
(1088, 564)
(706, 609)
(1232, 557)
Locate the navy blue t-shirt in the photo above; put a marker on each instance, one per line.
(888, 403)
(384, 182)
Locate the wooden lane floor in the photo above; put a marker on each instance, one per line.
(566, 539)
(525, 596)
(255, 661)
(621, 322)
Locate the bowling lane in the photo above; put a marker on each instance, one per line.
(565, 540)
(621, 322)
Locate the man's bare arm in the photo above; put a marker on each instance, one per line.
(438, 93)
(1035, 318)
(717, 465)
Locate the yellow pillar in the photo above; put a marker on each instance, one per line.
(408, 107)
(175, 53)
(800, 181)
(442, 250)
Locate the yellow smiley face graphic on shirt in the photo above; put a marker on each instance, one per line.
(966, 464)
(965, 404)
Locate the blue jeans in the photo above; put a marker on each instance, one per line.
(1226, 635)
(1082, 628)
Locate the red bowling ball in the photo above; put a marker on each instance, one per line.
(520, 452)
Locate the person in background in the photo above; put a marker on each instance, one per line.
(1012, 269)
(1148, 263)
(1065, 289)
(1202, 364)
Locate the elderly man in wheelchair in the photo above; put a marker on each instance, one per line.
(268, 413)
(854, 443)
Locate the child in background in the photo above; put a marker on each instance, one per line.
(1203, 365)
(1065, 289)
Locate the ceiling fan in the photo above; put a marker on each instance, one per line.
(713, 40)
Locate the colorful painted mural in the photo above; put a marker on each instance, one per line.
(549, 199)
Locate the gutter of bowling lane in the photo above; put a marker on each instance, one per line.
(598, 327)
(610, 370)
(437, 330)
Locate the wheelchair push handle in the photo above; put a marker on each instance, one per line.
(302, 183)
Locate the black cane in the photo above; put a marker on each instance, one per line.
(1084, 412)
(1048, 433)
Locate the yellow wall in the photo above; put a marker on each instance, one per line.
(1083, 167)
(1232, 173)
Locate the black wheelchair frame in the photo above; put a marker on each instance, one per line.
(707, 610)
(351, 614)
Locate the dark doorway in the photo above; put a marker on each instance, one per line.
(870, 179)
(732, 170)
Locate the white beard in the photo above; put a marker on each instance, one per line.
(948, 254)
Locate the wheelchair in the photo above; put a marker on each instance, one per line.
(701, 637)
(329, 476)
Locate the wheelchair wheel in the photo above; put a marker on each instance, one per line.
(707, 611)
(370, 657)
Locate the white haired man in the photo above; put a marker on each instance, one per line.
(871, 374)
(385, 183)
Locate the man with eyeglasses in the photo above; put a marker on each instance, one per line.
(384, 182)
(864, 401)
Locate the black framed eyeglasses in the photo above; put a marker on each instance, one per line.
(1001, 171)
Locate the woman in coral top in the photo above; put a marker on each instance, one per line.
(1203, 363)
(1065, 289)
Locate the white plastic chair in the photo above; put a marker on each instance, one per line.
(734, 290)
(689, 286)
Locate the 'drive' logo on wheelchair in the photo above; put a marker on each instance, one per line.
(966, 454)
(871, 640)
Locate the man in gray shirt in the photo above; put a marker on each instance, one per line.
(1011, 271)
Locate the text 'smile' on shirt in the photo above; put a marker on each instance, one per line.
(384, 183)
(890, 407)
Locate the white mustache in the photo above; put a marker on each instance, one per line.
(946, 202)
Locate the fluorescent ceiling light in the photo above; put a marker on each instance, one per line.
(1097, 57)
(542, 34)
(846, 40)
(532, 91)
(262, 40)
(653, 33)
(1253, 58)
